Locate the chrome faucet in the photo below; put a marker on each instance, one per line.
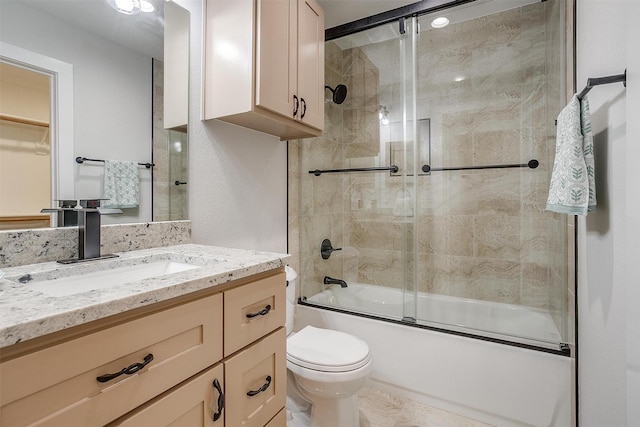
(331, 281)
(89, 212)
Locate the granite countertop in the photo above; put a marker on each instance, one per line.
(27, 313)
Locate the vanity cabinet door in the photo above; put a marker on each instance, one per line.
(252, 311)
(196, 403)
(255, 381)
(68, 384)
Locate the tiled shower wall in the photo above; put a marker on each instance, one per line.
(170, 161)
(491, 88)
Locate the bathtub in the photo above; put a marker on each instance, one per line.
(525, 325)
(502, 385)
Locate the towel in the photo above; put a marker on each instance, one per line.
(572, 189)
(121, 184)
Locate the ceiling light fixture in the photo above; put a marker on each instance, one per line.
(146, 6)
(383, 115)
(128, 7)
(440, 22)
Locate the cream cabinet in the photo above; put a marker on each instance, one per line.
(164, 366)
(264, 65)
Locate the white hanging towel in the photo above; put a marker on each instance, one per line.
(121, 184)
(572, 189)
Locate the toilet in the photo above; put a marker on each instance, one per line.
(325, 371)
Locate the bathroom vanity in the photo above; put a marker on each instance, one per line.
(203, 346)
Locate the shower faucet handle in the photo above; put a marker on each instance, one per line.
(326, 249)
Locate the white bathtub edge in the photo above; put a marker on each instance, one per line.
(493, 383)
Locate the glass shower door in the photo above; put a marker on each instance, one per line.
(357, 181)
(408, 168)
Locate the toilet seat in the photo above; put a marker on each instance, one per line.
(326, 350)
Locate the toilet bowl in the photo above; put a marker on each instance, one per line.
(328, 369)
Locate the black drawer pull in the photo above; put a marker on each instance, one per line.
(262, 312)
(262, 388)
(216, 385)
(297, 104)
(129, 370)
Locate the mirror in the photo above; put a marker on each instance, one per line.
(105, 71)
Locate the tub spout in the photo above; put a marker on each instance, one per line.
(331, 281)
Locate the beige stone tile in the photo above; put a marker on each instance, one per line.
(497, 147)
(497, 237)
(333, 57)
(476, 278)
(380, 267)
(533, 110)
(379, 408)
(375, 234)
(452, 150)
(333, 125)
(535, 285)
(446, 235)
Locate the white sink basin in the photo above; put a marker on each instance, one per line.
(75, 284)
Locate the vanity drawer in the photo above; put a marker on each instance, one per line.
(193, 404)
(279, 420)
(255, 381)
(58, 385)
(252, 311)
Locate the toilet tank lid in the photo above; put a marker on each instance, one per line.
(324, 347)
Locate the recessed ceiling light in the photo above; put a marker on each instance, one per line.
(440, 22)
(146, 6)
(459, 78)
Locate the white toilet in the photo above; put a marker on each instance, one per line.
(325, 369)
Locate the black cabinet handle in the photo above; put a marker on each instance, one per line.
(262, 388)
(129, 370)
(262, 312)
(180, 183)
(216, 386)
(295, 109)
(304, 108)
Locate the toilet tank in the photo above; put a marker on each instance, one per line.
(292, 278)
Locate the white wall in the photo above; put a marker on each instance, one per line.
(608, 37)
(237, 177)
(112, 97)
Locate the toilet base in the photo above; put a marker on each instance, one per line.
(335, 412)
(303, 419)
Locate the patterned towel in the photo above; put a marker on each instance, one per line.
(121, 184)
(572, 189)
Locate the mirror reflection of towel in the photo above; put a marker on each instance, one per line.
(121, 184)
(572, 189)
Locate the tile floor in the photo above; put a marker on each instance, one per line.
(381, 409)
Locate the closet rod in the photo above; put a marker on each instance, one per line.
(83, 159)
(23, 120)
(596, 81)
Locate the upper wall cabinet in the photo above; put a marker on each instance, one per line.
(264, 65)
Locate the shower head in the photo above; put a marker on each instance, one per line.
(339, 93)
